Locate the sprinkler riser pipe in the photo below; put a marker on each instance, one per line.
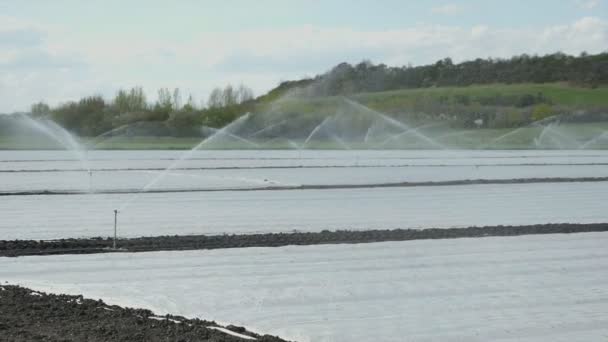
(115, 221)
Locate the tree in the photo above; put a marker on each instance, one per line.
(541, 111)
(165, 100)
(132, 101)
(215, 98)
(40, 109)
(229, 97)
(462, 99)
(190, 106)
(177, 99)
(244, 94)
(85, 117)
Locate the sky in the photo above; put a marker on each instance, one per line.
(62, 50)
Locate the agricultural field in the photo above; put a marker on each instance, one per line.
(280, 191)
(556, 93)
(390, 289)
(362, 227)
(547, 287)
(304, 171)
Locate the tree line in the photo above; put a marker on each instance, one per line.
(94, 115)
(583, 70)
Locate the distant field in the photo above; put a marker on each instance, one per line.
(148, 143)
(565, 136)
(557, 93)
(299, 116)
(116, 143)
(407, 104)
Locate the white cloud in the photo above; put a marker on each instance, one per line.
(588, 4)
(58, 68)
(448, 9)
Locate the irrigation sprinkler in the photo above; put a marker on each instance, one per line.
(115, 220)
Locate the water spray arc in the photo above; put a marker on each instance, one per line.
(101, 138)
(61, 136)
(395, 123)
(596, 139)
(218, 133)
(558, 139)
(407, 132)
(314, 131)
(502, 137)
(267, 128)
(222, 132)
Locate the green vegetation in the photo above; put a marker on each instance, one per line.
(93, 115)
(118, 143)
(493, 94)
(498, 105)
(554, 93)
(501, 91)
(148, 143)
(490, 138)
(584, 70)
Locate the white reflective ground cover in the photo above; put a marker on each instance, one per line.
(62, 160)
(148, 214)
(527, 288)
(61, 216)
(283, 177)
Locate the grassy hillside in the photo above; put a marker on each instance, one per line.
(500, 105)
(446, 114)
(556, 93)
(581, 136)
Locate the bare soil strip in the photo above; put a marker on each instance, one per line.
(14, 248)
(318, 187)
(306, 158)
(27, 315)
(296, 167)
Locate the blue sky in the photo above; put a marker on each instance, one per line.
(62, 50)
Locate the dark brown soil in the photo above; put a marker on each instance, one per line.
(189, 242)
(320, 187)
(27, 315)
(287, 166)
